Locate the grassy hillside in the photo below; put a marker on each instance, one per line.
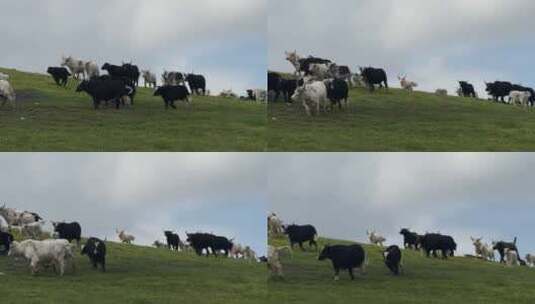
(55, 119)
(398, 121)
(457, 280)
(138, 275)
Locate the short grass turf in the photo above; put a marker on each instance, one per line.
(58, 119)
(396, 120)
(424, 280)
(137, 275)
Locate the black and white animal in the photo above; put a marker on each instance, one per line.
(200, 242)
(299, 234)
(106, 89)
(197, 84)
(6, 239)
(337, 91)
(60, 75)
(467, 89)
(68, 231)
(221, 243)
(345, 257)
(173, 78)
(410, 239)
(170, 94)
(95, 249)
(502, 247)
(373, 76)
(432, 242)
(499, 90)
(274, 83)
(392, 256)
(173, 240)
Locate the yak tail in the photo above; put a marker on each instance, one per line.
(514, 241)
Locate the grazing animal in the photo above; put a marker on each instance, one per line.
(341, 72)
(200, 241)
(7, 93)
(392, 257)
(407, 84)
(173, 240)
(237, 251)
(173, 78)
(467, 89)
(300, 234)
(530, 260)
(91, 69)
(149, 78)
(60, 75)
(287, 87)
(441, 92)
(170, 94)
(249, 253)
(511, 257)
(27, 217)
(4, 76)
(95, 249)
(373, 76)
(55, 252)
(76, 66)
(132, 73)
(520, 98)
(502, 246)
(4, 226)
(345, 257)
(483, 250)
(221, 243)
(410, 239)
(158, 244)
(337, 91)
(431, 242)
(116, 71)
(68, 231)
(273, 259)
(197, 84)
(32, 230)
(275, 225)
(124, 237)
(274, 84)
(11, 215)
(375, 238)
(6, 239)
(104, 89)
(357, 80)
(499, 90)
(313, 95)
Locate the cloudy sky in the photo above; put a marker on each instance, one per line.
(435, 42)
(343, 195)
(224, 40)
(142, 193)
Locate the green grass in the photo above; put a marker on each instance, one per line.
(57, 119)
(398, 121)
(138, 275)
(425, 280)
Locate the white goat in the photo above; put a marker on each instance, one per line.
(406, 84)
(125, 238)
(375, 238)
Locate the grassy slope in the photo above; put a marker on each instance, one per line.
(60, 119)
(138, 275)
(458, 280)
(399, 121)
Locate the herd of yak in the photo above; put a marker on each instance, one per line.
(321, 83)
(42, 249)
(350, 257)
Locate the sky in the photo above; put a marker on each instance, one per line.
(435, 42)
(222, 193)
(487, 195)
(223, 40)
